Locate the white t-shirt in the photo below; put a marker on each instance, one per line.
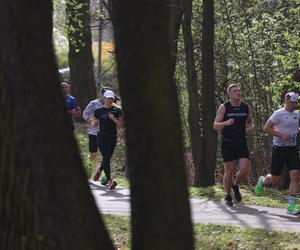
(89, 112)
(285, 123)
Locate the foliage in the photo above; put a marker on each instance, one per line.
(257, 45)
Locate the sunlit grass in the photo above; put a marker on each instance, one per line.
(210, 237)
(270, 198)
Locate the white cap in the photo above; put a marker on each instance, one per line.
(109, 94)
(292, 96)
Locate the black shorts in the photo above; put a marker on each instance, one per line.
(231, 152)
(282, 156)
(93, 143)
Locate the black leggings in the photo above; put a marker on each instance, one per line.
(106, 146)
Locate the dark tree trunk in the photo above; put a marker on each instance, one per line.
(45, 198)
(81, 60)
(144, 32)
(207, 169)
(194, 111)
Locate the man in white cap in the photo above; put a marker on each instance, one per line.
(283, 125)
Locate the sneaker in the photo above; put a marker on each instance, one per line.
(237, 194)
(97, 174)
(259, 188)
(293, 208)
(228, 201)
(104, 181)
(112, 184)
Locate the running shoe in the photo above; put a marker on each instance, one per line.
(237, 194)
(104, 180)
(259, 188)
(97, 174)
(112, 184)
(293, 208)
(228, 201)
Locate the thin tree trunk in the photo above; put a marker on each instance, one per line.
(194, 111)
(81, 59)
(144, 34)
(99, 69)
(45, 198)
(207, 170)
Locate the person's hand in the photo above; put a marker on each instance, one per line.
(111, 116)
(94, 122)
(286, 137)
(229, 122)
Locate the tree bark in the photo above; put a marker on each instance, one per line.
(194, 110)
(207, 169)
(144, 32)
(81, 59)
(45, 198)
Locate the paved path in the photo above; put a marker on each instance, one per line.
(118, 202)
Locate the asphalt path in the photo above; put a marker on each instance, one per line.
(117, 202)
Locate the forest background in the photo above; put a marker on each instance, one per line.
(256, 44)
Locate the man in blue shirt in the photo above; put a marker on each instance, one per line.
(71, 103)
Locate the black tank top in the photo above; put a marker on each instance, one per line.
(235, 133)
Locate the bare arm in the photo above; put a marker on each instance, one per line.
(118, 121)
(269, 129)
(76, 112)
(88, 113)
(218, 123)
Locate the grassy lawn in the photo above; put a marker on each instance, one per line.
(213, 236)
(206, 236)
(271, 197)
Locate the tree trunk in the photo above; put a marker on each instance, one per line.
(144, 32)
(207, 169)
(81, 60)
(45, 198)
(99, 68)
(194, 111)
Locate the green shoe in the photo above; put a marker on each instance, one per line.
(293, 209)
(259, 189)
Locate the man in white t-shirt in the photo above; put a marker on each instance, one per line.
(283, 125)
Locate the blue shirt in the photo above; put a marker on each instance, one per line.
(71, 104)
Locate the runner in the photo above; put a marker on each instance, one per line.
(283, 125)
(233, 118)
(110, 118)
(71, 103)
(88, 116)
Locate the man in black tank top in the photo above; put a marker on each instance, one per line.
(233, 119)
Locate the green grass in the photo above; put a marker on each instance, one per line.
(209, 237)
(119, 230)
(231, 237)
(271, 197)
